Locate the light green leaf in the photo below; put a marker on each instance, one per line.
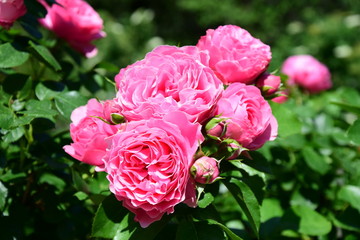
(247, 201)
(43, 92)
(11, 57)
(350, 194)
(228, 232)
(39, 109)
(45, 56)
(66, 102)
(13, 134)
(270, 208)
(311, 222)
(354, 132)
(288, 122)
(315, 161)
(206, 200)
(6, 117)
(3, 195)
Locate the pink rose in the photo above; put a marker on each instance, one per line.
(10, 10)
(235, 55)
(76, 22)
(307, 72)
(248, 115)
(269, 84)
(89, 134)
(205, 170)
(148, 165)
(168, 79)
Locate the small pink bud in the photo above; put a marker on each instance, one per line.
(268, 83)
(216, 127)
(205, 170)
(281, 98)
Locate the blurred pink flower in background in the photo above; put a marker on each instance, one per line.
(234, 54)
(148, 165)
(76, 22)
(307, 72)
(10, 10)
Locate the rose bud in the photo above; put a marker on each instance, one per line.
(268, 83)
(205, 170)
(216, 127)
(10, 11)
(281, 97)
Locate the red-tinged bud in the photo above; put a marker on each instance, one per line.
(268, 83)
(281, 98)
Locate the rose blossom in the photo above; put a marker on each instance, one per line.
(205, 170)
(248, 115)
(235, 55)
(10, 10)
(89, 134)
(168, 79)
(148, 165)
(76, 22)
(307, 72)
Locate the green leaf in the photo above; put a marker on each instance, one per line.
(348, 107)
(247, 201)
(54, 180)
(354, 132)
(6, 117)
(108, 218)
(311, 222)
(43, 92)
(13, 134)
(66, 102)
(186, 231)
(39, 109)
(350, 194)
(25, 90)
(315, 161)
(288, 122)
(270, 208)
(3, 195)
(45, 56)
(206, 200)
(345, 219)
(228, 232)
(11, 57)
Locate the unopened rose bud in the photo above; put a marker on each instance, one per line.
(268, 83)
(205, 170)
(216, 127)
(281, 98)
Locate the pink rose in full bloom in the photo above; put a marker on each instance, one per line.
(148, 165)
(307, 72)
(205, 170)
(89, 134)
(247, 115)
(235, 55)
(168, 79)
(10, 10)
(76, 22)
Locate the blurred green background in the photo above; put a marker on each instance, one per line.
(328, 30)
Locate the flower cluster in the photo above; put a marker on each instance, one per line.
(150, 138)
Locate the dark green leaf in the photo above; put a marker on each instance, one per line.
(354, 132)
(6, 117)
(46, 56)
(186, 231)
(11, 57)
(66, 102)
(39, 109)
(13, 135)
(228, 232)
(350, 194)
(247, 201)
(315, 161)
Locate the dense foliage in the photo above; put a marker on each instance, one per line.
(304, 185)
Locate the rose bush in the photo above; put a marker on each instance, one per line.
(148, 165)
(247, 116)
(76, 22)
(10, 11)
(234, 54)
(89, 134)
(168, 78)
(307, 72)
